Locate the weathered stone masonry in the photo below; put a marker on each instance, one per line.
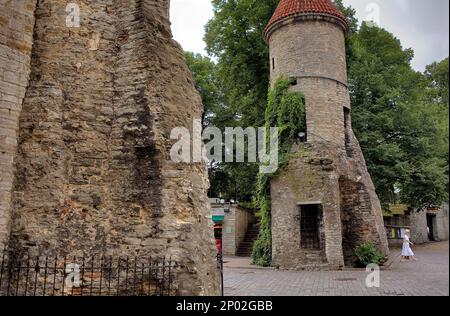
(327, 176)
(93, 174)
(16, 37)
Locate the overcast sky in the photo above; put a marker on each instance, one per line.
(420, 24)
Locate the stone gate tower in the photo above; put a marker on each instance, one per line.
(325, 203)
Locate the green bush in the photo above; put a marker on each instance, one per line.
(367, 254)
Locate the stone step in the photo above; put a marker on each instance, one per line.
(314, 267)
(246, 246)
(314, 257)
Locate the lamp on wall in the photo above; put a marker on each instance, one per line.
(301, 137)
(227, 208)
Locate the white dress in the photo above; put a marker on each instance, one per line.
(406, 251)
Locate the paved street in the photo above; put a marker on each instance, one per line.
(427, 277)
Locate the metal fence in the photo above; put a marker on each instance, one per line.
(81, 276)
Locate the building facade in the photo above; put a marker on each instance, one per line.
(324, 204)
(235, 222)
(426, 225)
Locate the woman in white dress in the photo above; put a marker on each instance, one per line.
(407, 252)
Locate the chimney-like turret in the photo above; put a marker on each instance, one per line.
(307, 42)
(324, 204)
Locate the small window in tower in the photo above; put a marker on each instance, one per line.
(347, 126)
(293, 81)
(273, 63)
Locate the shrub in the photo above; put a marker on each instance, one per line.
(367, 254)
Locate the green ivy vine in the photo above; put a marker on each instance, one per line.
(285, 110)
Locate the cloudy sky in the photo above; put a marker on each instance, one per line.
(420, 24)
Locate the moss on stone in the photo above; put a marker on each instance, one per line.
(285, 110)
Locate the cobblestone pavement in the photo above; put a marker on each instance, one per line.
(427, 277)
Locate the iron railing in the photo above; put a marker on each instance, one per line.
(26, 275)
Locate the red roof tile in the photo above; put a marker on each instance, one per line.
(287, 8)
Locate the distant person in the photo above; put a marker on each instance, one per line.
(407, 252)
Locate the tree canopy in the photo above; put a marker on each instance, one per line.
(398, 120)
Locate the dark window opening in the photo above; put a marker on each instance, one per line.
(293, 81)
(310, 219)
(347, 126)
(431, 224)
(273, 63)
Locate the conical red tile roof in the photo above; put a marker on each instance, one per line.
(288, 8)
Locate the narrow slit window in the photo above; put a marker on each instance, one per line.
(347, 126)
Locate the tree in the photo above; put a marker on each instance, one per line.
(228, 180)
(437, 94)
(437, 76)
(205, 79)
(400, 130)
(235, 37)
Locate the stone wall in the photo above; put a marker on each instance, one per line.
(367, 224)
(417, 221)
(309, 48)
(243, 219)
(310, 178)
(442, 223)
(235, 227)
(93, 173)
(314, 52)
(16, 39)
(320, 174)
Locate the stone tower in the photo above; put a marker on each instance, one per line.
(86, 115)
(325, 203)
